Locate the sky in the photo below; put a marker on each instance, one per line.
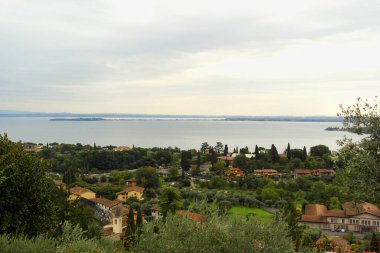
(294, 57)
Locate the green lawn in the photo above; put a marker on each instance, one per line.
(259, 213)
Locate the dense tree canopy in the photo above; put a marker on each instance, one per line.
(360, 161)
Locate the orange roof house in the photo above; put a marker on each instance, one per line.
(133, 191)
(301, 172)
(355, 217)
(236, 172)
(80, 192)
(266, 173)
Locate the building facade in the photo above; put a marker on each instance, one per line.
(355, 217)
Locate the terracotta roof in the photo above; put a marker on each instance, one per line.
(359, 208)
(326, 171)
(314, 213)
(302, 171)
(311, 218)
(335, 213)
(192, 216)
(315, 209)
(77, 190)
(133, 188)
(107, 202)
(265, 171)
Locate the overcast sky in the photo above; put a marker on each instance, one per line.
(188, 57)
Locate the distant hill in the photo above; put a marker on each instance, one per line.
(83, 116)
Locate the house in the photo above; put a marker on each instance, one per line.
(301, 172)
(33, 148)
(115, 228)
(131, 182)
(133, 191)
(156, 212)
(355, 217)
(80, 192)
(121, 148)
(316, 173)
(324, 172)
(236, 172)
(104, 208)
(265, 173)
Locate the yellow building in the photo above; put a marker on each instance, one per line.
(80, 192)
(134, 191)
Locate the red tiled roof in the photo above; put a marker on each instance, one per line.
(265, 171)
(77, 190)
(133, 188)
(107, 202)
(326, 171)
(335, 213)
(302, 171)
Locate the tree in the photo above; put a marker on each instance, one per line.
(257, 152)
(374, 244)
(304, 154)
(170, 200)
(131, 220)
(274, 154)
(204, 147)
(225, 152)
(139, 222)
(185, 162)
(147, 177)
(360, 161)
(241, 161)
(218, 167)
(199, 161)
(213, 157)
(30, 203)
(319, 150)
(216, 234)
(288, 152)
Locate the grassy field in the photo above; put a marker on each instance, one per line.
(259, 213)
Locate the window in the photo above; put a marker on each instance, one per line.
(115, 221)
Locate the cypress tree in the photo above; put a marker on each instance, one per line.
(131, 220)
(374, 245)
(199, 159)
(225, 150)
(304, 154)
(257, 153)
(288, 152)
(274, 154)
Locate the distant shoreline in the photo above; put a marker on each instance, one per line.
(135, 117)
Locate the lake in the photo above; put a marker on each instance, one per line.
(184, 134)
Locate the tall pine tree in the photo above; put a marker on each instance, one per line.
(288, 152)
(257, 152)
(225, 152)
(304, 154)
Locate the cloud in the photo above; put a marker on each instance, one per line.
(135, 56)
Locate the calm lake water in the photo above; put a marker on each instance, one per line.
(165, 133)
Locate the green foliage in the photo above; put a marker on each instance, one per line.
(360, 162)
(214, 235)
(170, 200)
(319, 150)
(147, 177)
(72, 240)
(30, 202)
